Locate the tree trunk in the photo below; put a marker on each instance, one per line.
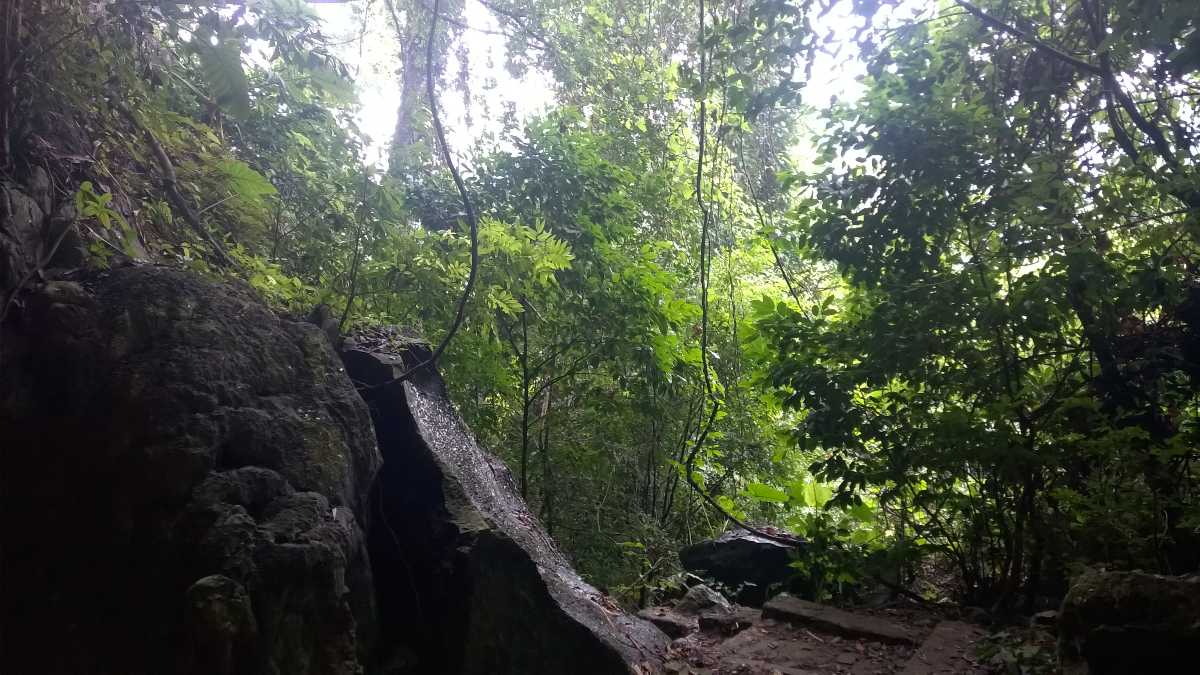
(544, 453)
(525, 403)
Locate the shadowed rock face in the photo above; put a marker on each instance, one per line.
(184, 478)
(1130, 622)
(495, 595)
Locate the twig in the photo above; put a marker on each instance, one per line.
(705, 216)
(213, 205)
(762, 223)
(100, 238)
(1026, 37)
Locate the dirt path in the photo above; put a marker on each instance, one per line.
(801, 646)
(948, 649)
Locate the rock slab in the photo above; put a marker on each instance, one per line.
(700, 598)
(669, 621)
(737, 619)
(495, 594)
(834, 620)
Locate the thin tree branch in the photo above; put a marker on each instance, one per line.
(762, 223)
(468, 207)
(363, 210)
(567, 373)
(463, 24)
(689, 465)
(1028, 38)
(522, 23)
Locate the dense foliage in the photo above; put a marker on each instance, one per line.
(955, 328)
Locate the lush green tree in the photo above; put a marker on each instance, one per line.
(1007, 356)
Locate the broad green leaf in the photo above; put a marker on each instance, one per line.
(766, 493)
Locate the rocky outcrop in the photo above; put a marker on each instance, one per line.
(192, 484)
(490, 591)
(184, 482)
(729, 622)
(688, 614)
(21, 235)
(1130, 622)
(746, 562)
(701, 608)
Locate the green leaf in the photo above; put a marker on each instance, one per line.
(766, 493)
(500, 299)
(245, 181)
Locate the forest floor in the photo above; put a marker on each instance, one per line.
(810, 645)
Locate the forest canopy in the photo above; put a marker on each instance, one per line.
(945, 325)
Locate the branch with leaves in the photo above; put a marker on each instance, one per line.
(710, 392)
(468, 208)
(1029, 38)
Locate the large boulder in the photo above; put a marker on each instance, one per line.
(1130, 622)
(190, 483)
(491, 591)
(184, 482)
(746, 562)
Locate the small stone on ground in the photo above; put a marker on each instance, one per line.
(731, 622)
(669, 621)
